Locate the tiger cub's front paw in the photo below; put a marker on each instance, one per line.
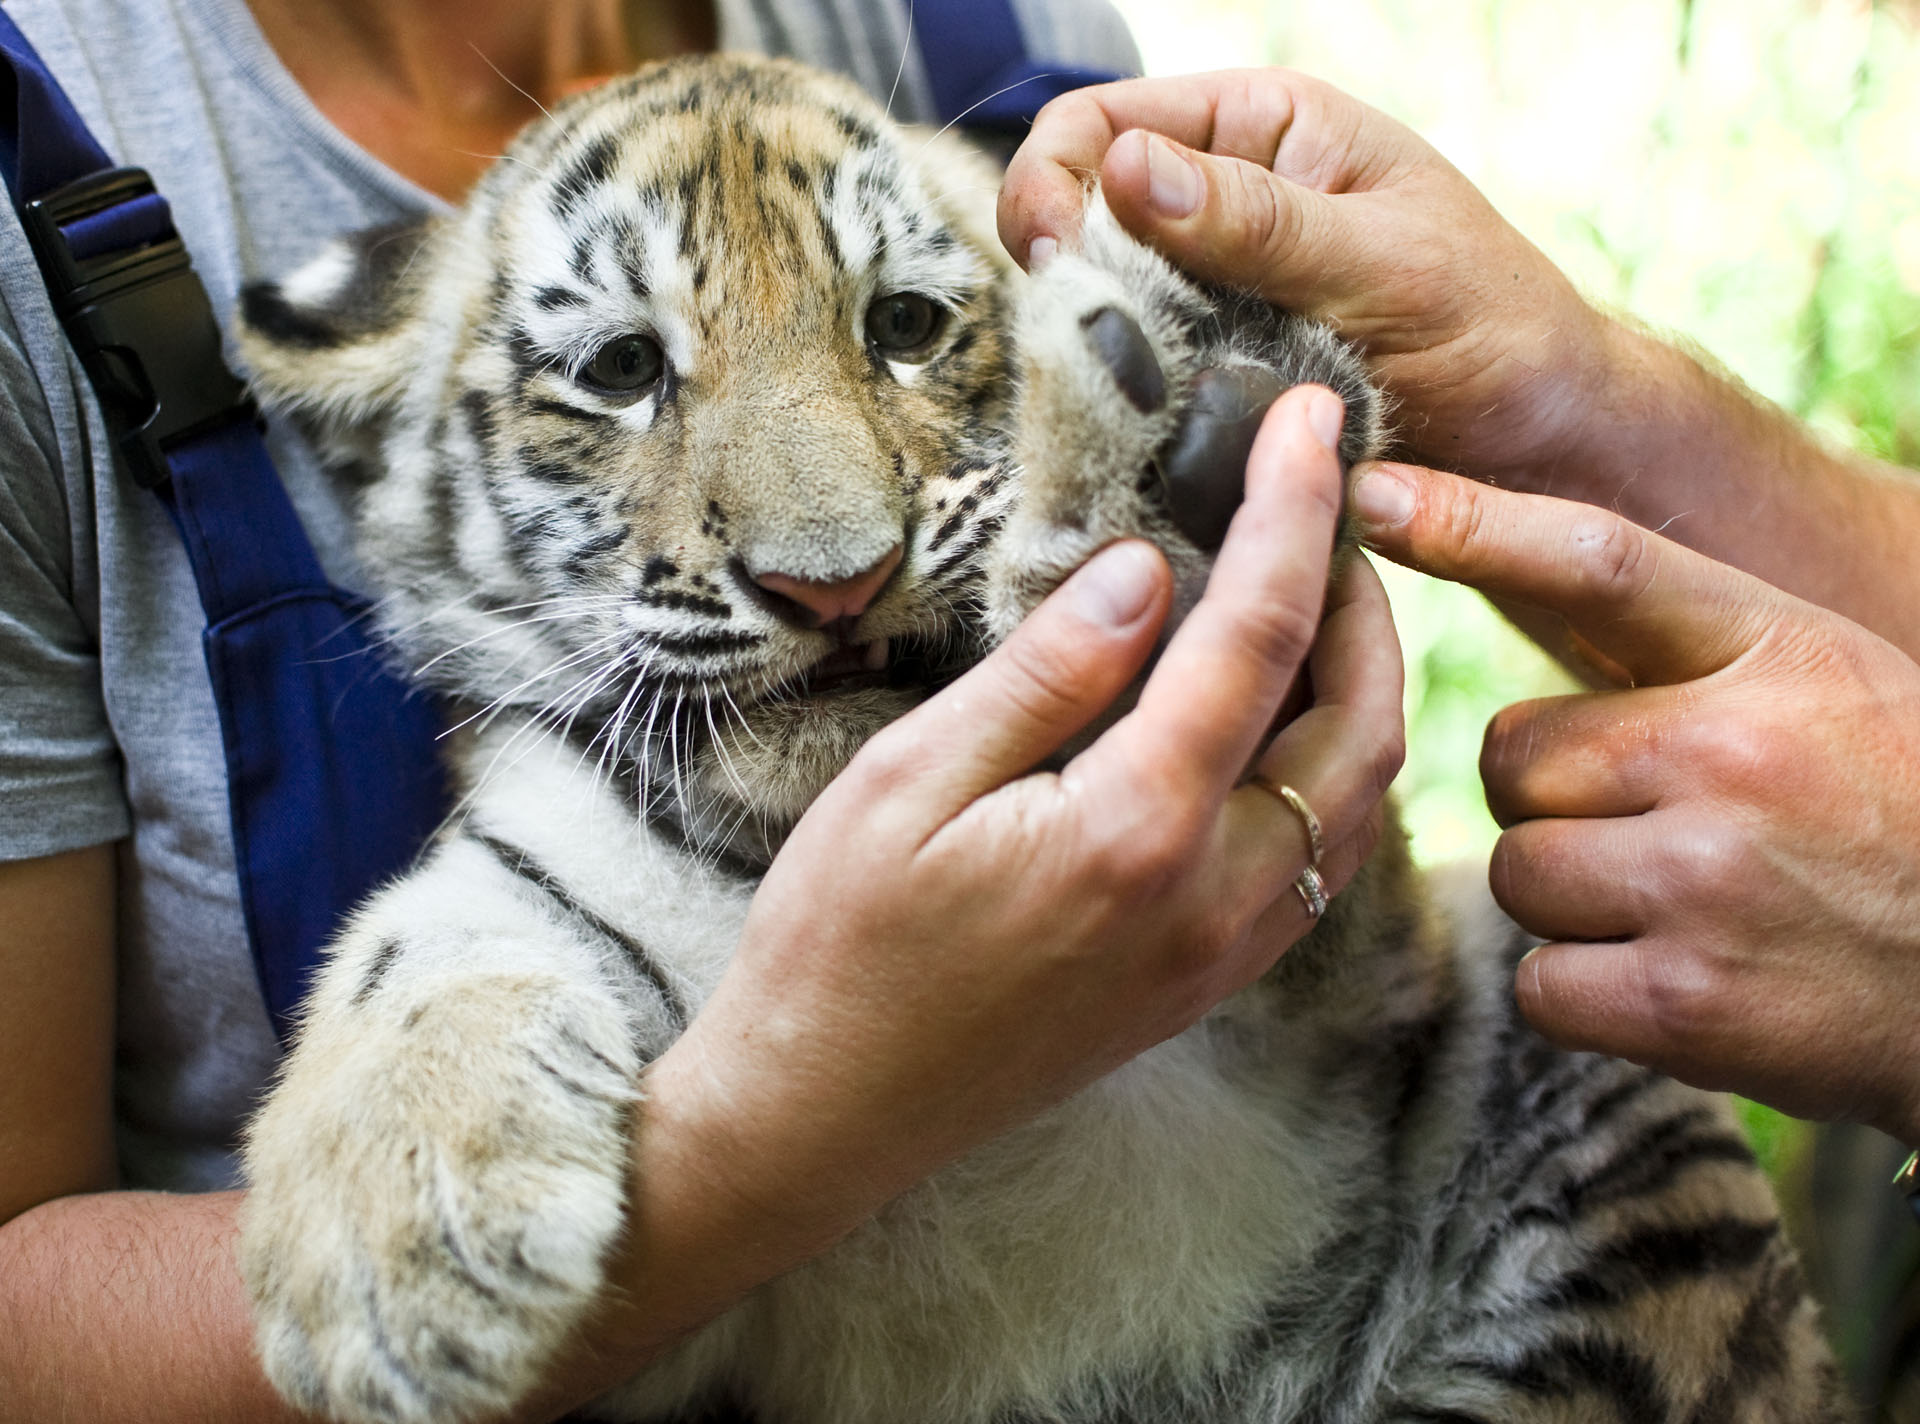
(1139, 395)
(433, 1188)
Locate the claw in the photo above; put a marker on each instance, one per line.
(1203, 466)
(1128, 355)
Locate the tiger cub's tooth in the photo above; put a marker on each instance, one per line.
(874, 656)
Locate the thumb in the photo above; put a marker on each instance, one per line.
(1059, 670)
(1233, 222)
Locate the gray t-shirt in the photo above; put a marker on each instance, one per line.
(107, 724)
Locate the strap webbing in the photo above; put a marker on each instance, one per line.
(978, 64)
(332, 779)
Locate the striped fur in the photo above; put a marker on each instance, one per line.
(1360, 1191)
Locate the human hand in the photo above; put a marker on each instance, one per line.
(1724, 853)
(1273, 182)
(951, 942)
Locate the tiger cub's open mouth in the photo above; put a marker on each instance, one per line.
(908, 662)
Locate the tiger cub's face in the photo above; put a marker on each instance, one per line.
(680, 435)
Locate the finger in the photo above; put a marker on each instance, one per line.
(1577, 879)
(1661, 611)
(1650, 1000)
(1211, 698)
(1239, 224)
(1059, 670)
(1585, 754)
(1349, 745)
(1286, 920)
(1342, 753)
(1592, 996)
(1307, 131)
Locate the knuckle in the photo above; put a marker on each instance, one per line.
(1039, 680)
(1736, 754)
(1280, 629)
(881, 769)
(1389, 756)
(1262, 224)
(1509, 874)
(1461, 533)
(1612, 558)
(1710, 862)
(1507, 743)
(1147, 863)
(1685, 995)
(1507, 759)
(1346, 862)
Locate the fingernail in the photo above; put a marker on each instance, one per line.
(1040, 252)
(1381, 500)
(1115, 586)
(1325, 414)
(1173, 184)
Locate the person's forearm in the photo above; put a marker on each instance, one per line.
(127, 1306)
(1677, 446)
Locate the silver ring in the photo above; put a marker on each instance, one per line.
(1316, 841)
(1313, 892)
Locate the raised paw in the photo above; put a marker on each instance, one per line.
(433, 1188)
(1140, 394)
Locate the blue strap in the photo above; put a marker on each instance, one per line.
(332, 779)
(982, 74)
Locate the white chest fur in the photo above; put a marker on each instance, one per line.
(1136, 1228)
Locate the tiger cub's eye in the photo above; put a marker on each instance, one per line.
(624, 365)
(904, 324)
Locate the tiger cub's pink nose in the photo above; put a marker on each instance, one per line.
(840, 599)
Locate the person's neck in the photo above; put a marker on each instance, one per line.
(435, 88)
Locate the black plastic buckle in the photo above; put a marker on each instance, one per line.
(141, 323)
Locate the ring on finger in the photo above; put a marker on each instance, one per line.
(1312, 891)
(1316, 839)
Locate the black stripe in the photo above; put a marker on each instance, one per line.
(1567, 1366)
(690, 645)
(599, 546)
(587, 172)
(1660, 1256)
(1555, 1137)
(527, 868)
(682, 602)
(1628, 1176)
(265, 308)
(377, 971)
(956, 519)
(668, 826)
(450, 1243)
(574, 1086)
(1757, 1345)
(541, 405)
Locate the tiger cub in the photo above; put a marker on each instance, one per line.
(709, 436)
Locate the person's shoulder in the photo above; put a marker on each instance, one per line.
(36, 385)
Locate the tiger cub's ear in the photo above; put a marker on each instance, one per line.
(334, 342)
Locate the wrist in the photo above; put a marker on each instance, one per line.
(726, 1190)
(1582, 420)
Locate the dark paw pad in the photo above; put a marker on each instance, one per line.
(1128, 355)
(1203, 467)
